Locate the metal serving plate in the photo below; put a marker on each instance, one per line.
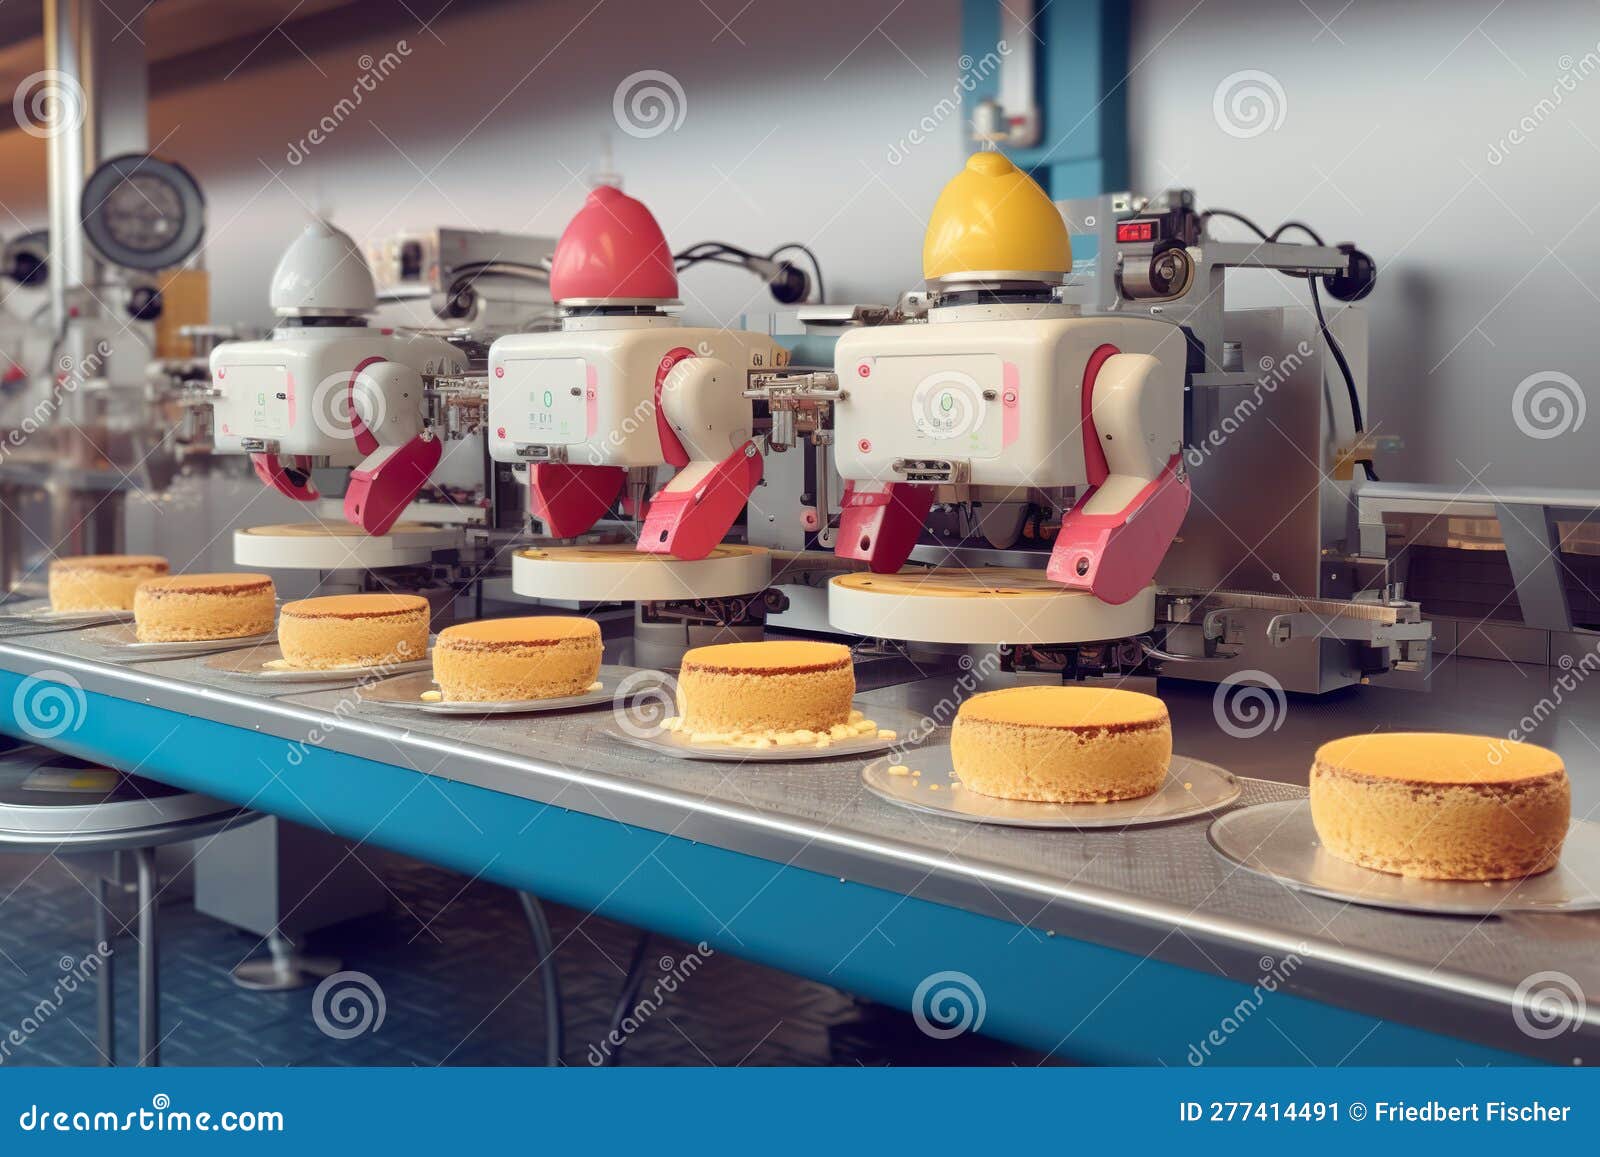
(1278, 840)
(677, 745)
(252, 663)
(1193, 788)
(122, 645)
(404, 692)
(40, 615)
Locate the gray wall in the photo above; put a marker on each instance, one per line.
(1389, 123)
(498, 113)
(1397, 133)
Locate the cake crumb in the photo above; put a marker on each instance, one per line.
(596, 685)
(856, 716)
(672, 723)
(897, 769)
(278, 665)
(883, 734)
(1188, 787)
(933, 787)
(432, 696)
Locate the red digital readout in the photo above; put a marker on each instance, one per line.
(1136, 231)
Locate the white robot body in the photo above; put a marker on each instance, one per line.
(1000, 402)
(588, 394)
(307, 390)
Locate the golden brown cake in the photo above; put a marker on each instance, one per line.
(769, 693)
(353, 631)
(1439, 806)
(186, 607)
(501, 660)
(1058, 744)
(101, 582)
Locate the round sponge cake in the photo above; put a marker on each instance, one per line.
(101, 582)
(774, 686)
(353, 631)
(500, 660)
(187, 607)
(1441, 806)
(1062, 744)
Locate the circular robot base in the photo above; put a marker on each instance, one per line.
(988, 605)
(337, 546)
(619, 573)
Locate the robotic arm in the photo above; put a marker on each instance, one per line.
(705, 424)
(385, 418)
(1113, 540)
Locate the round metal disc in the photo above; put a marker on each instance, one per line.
(984, 605)
(677, 744)
(1193, 788)
(141, 212)
(255, 663)
(622, 574)
(404, 693)
(121, 644)
(335, 546)
(55, 800)
(1278, 840)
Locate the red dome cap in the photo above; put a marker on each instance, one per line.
(613, 248)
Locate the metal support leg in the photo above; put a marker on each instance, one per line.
(1533, 550)
(283, 967)
(627, 997)
(545, 945)
(149, 983)
(105, 982)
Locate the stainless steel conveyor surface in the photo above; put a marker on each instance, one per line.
(1158, 891)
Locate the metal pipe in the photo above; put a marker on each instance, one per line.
(627, 997)
(66, 140)
(149, 959)
(105, 984)
(544, 943)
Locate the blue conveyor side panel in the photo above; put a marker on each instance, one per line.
(1077, 1000)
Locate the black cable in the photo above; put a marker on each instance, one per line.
(722, 253)
(1316, 304)
(816, 266)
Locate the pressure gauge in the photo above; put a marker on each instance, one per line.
(141, 212)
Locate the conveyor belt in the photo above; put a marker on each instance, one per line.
(1157, 893)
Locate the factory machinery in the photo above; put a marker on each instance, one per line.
(1057, 459)
(1050, 453)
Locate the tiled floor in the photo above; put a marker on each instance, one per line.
(453, 969)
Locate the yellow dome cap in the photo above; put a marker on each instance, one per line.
(992, 217)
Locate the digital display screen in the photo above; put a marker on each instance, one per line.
(1136, 231)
